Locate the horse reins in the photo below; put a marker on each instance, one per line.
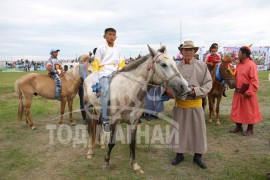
(151, 66)
(221, 79)
(165, 80)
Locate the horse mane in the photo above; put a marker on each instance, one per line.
(135, 64)
(162, 49)
(84, 57)
(227, 58)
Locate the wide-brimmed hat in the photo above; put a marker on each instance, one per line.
(189, 45)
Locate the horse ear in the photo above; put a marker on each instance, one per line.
(152, 51)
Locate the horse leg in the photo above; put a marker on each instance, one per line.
(27, 106)
(214, 107)
(70, 104)
(111, 144)
(210, 102)
(217, 111)
(100, 134)
(63, 105)
(91, 126)
(135, 167)
(90, 152)
(204, 102)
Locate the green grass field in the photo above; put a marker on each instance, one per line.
(28, 154)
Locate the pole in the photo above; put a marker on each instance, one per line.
(180, 32)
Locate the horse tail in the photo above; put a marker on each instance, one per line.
(20, 107)
(17, 88)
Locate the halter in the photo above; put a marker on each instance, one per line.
(218, 76)
(232, 71)
(152, 66)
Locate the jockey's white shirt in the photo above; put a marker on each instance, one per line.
(109, 58)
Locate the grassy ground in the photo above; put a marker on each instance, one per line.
(27, 154)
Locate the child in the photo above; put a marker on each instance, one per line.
(54, 67)
(107, 60)
(213, 58)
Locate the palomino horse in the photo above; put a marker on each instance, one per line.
(221, 73)
(127, 93)
(38, 84)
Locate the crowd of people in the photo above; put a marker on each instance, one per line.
(188, 113)
(25, 64)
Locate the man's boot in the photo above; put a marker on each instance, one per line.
(237, 129)
(179, 158)
(249, 130)
(197, 159)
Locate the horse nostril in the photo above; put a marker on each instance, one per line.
(181, 87)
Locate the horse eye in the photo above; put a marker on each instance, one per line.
(164, 65)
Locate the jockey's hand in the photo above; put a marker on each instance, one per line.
(98, 94)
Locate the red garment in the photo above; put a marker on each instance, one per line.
(246, 110)
(213, 58)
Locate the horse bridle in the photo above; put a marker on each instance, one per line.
(226, 77)
(164, 80)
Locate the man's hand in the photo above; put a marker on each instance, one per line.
(247, 96)
(192, 93)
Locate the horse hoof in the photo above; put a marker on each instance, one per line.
(218, 123)
(210, 120)
(89, 156)
(33, 127)
(103, 147)
(137, 169)
(61, 125)
(72, 123)
(105, 168)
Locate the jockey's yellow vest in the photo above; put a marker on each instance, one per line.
(189, 103)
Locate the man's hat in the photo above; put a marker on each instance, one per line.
(189, 45)
(54, 50)
(247, 48)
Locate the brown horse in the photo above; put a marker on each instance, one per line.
(222, 73)
(38, 84)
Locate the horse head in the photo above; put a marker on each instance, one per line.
(227, 71)
(165, 72)
(79, 69)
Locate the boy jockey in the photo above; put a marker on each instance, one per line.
(107, 60)
(54, 67)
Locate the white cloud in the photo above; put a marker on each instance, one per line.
(34, 27)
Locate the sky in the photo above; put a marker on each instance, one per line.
(30, 28)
